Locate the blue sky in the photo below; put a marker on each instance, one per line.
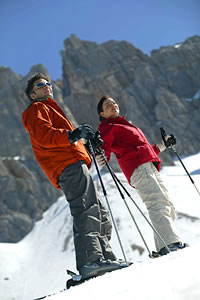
(33, 32)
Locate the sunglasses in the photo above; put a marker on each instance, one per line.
(41, 84)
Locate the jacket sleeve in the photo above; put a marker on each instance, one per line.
(156, 149)
(40, 127)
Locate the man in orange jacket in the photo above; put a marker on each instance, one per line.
(65, 161)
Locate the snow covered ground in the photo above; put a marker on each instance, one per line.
(37, 265)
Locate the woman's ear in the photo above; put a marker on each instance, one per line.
(102, 114)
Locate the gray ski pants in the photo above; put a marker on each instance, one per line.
(91, 220)
(149, 185)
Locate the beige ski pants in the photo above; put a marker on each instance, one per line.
(149, 185)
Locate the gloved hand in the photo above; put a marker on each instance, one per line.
(83, 131)
(170, 140)
(100, 160)
(97, 142)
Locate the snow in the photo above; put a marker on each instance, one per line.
(178, 45)
(164, 278)
(37, 265)
(197, 95)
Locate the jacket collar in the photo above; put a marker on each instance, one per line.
(43, 100)
(118, 120)
(114, 120)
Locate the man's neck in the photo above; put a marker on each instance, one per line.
(40, 99)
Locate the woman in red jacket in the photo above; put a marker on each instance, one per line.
(140, 163)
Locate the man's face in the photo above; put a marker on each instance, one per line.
(110, 109)
(42, 89)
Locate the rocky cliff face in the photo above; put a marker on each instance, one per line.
(25, 190)
(152, 91)
(155, 91)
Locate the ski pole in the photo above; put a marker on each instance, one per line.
(163, 134)
(122, 196)
(106, 198)
(128, 194)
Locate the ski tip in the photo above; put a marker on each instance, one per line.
(71, 273)
(154, 254)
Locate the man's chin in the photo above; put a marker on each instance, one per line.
(50, 95)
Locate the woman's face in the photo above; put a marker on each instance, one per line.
(110, 109)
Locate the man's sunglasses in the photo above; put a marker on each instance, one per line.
(41, 84)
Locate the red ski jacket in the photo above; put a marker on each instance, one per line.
(48, 126)
(128, 143)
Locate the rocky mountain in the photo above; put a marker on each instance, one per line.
(162, 89)
(153, 91)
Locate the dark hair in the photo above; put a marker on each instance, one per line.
(30, 83)
(100, 107)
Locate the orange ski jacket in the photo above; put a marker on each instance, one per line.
(48, 126)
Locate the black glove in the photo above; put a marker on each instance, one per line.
(171, 141)
(83, 131)
(97, 142)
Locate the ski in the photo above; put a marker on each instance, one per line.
(155, 254)
(165, 251)
(76, 279)
(43, 297)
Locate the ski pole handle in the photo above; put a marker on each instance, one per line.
(163, 134)
(170, 141)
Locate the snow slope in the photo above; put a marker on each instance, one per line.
(37, 265)
(174, 277)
